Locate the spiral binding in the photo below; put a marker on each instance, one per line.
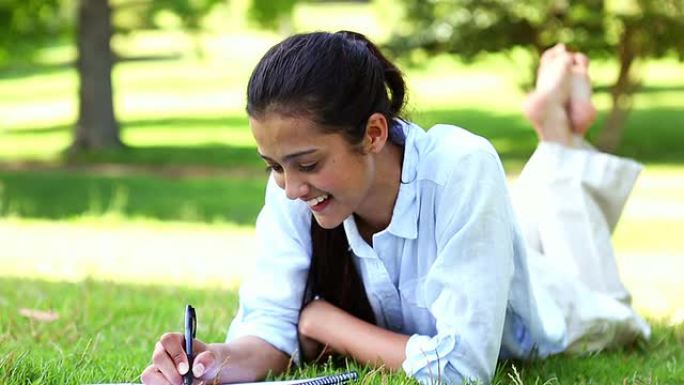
(332, 380)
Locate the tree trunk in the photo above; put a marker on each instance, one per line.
(621, 96)
(97, 127)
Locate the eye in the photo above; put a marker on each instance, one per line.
(308, 167)
(275, 168)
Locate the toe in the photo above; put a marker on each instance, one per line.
(580, 63)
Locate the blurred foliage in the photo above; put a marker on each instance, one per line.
(471, 27)
(149, 14)
(272, 14)
(26, 24)
(626, 30)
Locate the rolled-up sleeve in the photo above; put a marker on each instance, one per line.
(466, 289)
(271, 294)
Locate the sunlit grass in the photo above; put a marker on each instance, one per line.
(105, 332)
(118, 239)
(116, 242)
(116, 248)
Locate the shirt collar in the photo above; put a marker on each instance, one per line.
(404, 222)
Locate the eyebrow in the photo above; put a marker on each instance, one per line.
(289, 157)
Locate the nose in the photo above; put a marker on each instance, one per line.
(295, 186)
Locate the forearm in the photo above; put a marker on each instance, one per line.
(350, 336)
(248, 359)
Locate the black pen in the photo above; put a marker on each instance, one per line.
(190, 330)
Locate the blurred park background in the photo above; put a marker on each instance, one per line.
(129, 181)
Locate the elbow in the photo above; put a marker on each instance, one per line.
(304, 327)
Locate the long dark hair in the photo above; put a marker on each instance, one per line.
(337, 80)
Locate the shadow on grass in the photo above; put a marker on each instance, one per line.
(18, 71)
(23, 69)
(653, 135)
(646, 89)
(210, 155)
(63, 195)
(178, 123)
(233, 191)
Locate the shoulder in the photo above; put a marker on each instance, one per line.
(448, 151)
(461, 181)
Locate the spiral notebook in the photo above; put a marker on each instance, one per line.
(334, 379)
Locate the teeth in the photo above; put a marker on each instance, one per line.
(317, 200)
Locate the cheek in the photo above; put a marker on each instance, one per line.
(353, 177)
(280, 180)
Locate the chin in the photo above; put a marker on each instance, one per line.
(328, 223)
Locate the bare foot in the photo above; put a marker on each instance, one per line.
(580, 108)
(546, 106)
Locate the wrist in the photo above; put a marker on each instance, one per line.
(221, 353)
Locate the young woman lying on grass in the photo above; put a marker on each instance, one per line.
(400, 248)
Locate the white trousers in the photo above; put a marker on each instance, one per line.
(568, 201)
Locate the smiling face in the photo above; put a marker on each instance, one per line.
(322, 169)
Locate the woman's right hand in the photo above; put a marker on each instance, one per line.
(170, 363)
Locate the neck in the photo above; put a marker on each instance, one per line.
(375, 213)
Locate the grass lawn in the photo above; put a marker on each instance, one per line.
(105, 333)
(191, 169)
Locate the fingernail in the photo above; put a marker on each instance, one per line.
(198, 370)
(182, 368)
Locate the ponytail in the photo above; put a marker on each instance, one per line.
(393, 78)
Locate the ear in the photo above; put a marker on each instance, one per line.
(377, 133)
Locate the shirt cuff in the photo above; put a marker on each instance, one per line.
(427, 358)
(270, 332)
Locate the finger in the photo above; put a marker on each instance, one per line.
(173, 345)
(204, 364)
(165, 364)
(152, 376)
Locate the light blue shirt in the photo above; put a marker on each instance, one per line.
(450, 270)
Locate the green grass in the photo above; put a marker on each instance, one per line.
(207, 169)
(106, 332)
(191, 167)
(35, 194)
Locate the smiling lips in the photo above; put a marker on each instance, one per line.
(318, 203)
